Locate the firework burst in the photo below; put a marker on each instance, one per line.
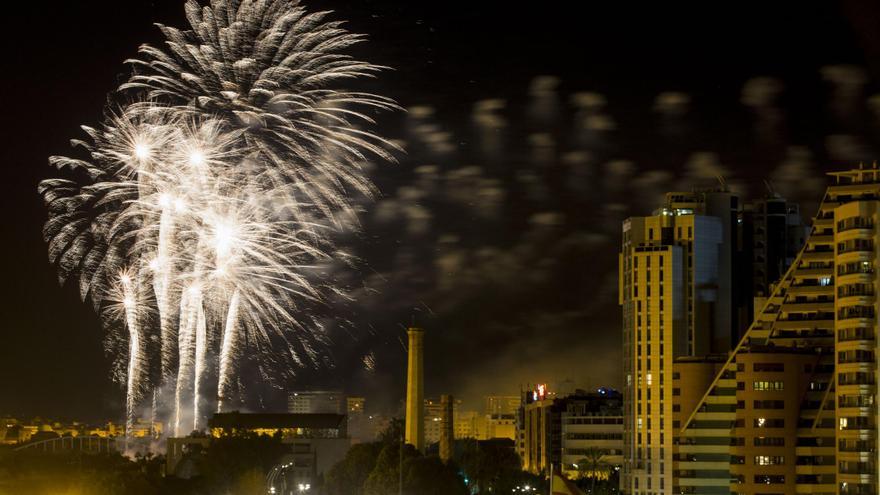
(195, 213)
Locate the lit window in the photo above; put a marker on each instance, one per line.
(769, 460)
(764, 386)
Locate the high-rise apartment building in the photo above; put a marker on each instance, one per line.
(794, 407)
(773, 232)
(677, 296)
(687, 288)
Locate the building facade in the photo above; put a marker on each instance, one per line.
(689, 278)
(793, 408)
(677, 299)
(316, 402)
(563, 431)
(434, 418)
(501, 404)
(773, 234)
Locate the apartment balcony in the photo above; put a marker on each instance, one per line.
(856, 277)
(811, 290)
(856, 312)
(855, 389)
(723, 399)
(856, 300)
(814, 272)
(855, 433)
(700, 465)
(705, 449)
(804, 334)
(855, 322)
(855, 233)
(820, 221)
(853, 411)
(854, 255)
(824, 322)
(817, 255)
(709, 432)
(813, 306)
(862, 190)
(820, 239)
(857, 477)
(853, 344)
(864, 367)
(815, 469)
(714, 416)
(815, 489)
(725, 481)
(854, 457)
(825, 450)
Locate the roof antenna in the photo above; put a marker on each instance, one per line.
(771, 191)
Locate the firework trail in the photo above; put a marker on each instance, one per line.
(195, 217)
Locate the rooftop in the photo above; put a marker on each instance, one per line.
(276, 420)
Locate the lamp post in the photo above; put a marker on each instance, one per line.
(400, 466)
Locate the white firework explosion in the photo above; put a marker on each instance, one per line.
(195, 216)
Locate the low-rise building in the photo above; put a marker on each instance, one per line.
(317, 441)
(561, 431)
(317, 402)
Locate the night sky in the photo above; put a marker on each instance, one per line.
(532, 131)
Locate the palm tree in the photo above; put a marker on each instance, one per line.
(594, 466)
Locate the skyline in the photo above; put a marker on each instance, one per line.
(613, 132)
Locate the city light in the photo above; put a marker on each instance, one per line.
(672, 254)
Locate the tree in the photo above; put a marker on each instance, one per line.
(385, 477)
(250, 482)
(231, 459)
(431, 476)
(492, 466)
(594, 467)
(36, 472)
(393, 433)
(347, 477)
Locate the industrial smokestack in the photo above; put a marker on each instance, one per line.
(446, 423)
(415, 390)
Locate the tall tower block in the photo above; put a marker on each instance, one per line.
(415, 390)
